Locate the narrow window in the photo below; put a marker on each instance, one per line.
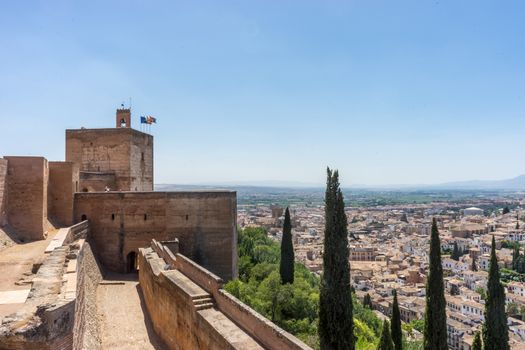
(112, 216)
(142, 156)
(145, 217)
(186, 217)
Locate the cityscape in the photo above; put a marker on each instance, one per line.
(249, 175)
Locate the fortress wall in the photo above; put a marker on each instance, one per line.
(260, 328)
(63, 183)
(183, 327)
(203, 222)
(253, 323)
(89, 274)
(141, 162)
(27, 182)
(160, 295)
(3, 191)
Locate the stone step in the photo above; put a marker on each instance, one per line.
(202, 301)
(203, 306)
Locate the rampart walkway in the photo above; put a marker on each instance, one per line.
(123, 319)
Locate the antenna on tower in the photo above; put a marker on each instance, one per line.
(130, 103)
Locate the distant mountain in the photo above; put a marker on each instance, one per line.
(516, 183)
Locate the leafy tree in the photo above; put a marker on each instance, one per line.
(506, 210)
(435, 334)
(476, 344)
(336, 325)
(397, 333)
(287, 253)
(495, 329)
(385, 343)
(418, 325)
(274, 294)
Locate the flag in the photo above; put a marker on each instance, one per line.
(151, 120)
(143, 120)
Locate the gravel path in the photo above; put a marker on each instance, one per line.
(123, 319)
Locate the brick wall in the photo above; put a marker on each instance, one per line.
(3, 192)
(203, 222)
(63, 183)
(27, 182)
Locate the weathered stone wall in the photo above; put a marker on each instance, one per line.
(86, 334)
(189, 325)
(141, 162)
(63, 183)
(27, 183)
(119, 151)
(203, 222)
(3, 192)
(97, 182)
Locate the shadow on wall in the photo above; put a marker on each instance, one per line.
(152, 336)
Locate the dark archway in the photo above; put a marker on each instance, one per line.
(131, 263)
(83, 218)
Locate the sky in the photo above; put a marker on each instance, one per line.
(388, 92)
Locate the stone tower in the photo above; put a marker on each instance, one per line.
(123, 119)
(118, 159)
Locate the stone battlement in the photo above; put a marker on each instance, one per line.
(198, 303)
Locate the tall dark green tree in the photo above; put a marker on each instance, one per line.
(515, 257)
(336, 324)
(455, 252)
(495, 329)
(506, 210)
(435, 332)
(385, 342)
(476, 344)
(395, 324)
(474, 266)
(517, 221)
(286, 268)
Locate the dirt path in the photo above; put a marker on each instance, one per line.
(123, 319)
(16, 263)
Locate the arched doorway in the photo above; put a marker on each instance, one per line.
(131, 263)
(83, 218)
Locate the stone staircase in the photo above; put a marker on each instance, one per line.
(203, 302)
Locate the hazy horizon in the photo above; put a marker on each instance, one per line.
(411, 92)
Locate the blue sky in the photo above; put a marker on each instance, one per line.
(389, 92)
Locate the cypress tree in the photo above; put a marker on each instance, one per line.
(495, 329)
(506, 210)
(476, 344)
(515, 257)
(474, 267)
(455, 252)
(336, 324)
(435, 332)
(397, 333)
(385, 343)
(287, 254)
